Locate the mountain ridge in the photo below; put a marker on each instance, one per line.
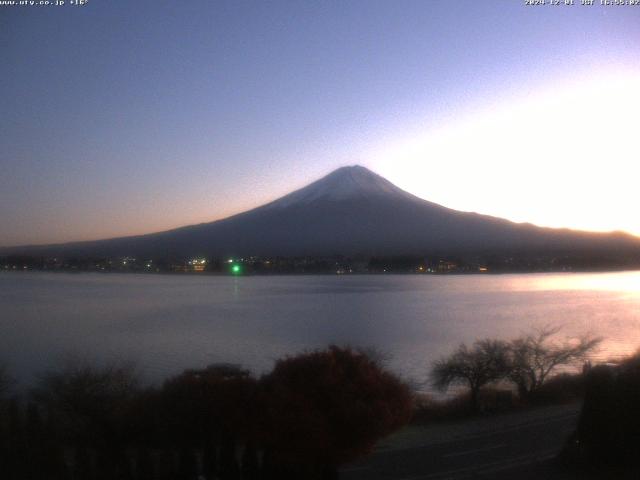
(352, 210)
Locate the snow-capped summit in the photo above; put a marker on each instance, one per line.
(352, 182)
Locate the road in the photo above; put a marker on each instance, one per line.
(517, 445)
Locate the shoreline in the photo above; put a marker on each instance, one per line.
(322, 274)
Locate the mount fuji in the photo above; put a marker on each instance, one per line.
(352, 211)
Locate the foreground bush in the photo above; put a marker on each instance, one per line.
(326, 408)
(608, 433)
(88, 403)
(314, 412)
(561, 388)
(5, 382)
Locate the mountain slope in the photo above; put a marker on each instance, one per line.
(350, 211)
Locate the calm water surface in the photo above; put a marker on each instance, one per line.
(166, 323)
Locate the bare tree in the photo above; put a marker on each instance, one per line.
(534, 357)
(485, 362)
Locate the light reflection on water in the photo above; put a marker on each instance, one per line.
(621, 282)
(170, 322)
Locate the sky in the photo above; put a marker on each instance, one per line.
(123, 117)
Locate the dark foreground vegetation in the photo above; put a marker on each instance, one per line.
(564, 388)
(528, 365)
(312, 413)
(606, 443)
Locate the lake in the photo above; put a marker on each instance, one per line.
(166, 323)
